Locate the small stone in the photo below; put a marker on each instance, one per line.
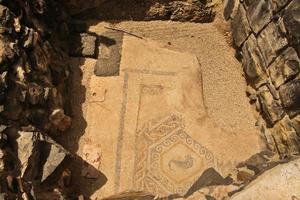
(17, 25)
(254, 65)
(41, 57)
(271, 108)
(250, 91)
(35, 93)
(46, 93)
(290, 97)
(60, 120)
(81, 197)
(259, 13)
(241, 29)
(19, 71)
(83, 45)
(270, 41)
(245, 175)
(2, 164)
(285, 67)
(25, 196)
(29, 38)
(108, 63)
(3, 79)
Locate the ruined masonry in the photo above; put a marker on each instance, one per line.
(266, 35)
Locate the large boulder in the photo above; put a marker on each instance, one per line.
(281, 182)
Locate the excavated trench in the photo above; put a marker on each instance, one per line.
(106, 99)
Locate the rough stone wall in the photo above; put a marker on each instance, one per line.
(179, 10)
(33, 78)
(266, 34)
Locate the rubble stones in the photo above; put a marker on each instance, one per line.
(29, 73)
(83, 45)
(241, 29)
(290, 97)
(270, 41)
(285, 67)
(253, 63)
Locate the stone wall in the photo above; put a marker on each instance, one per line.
(33, 80)
(266, 34)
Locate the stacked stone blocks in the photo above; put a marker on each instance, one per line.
(267, 35)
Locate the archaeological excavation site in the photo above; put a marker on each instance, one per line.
(150, 100)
